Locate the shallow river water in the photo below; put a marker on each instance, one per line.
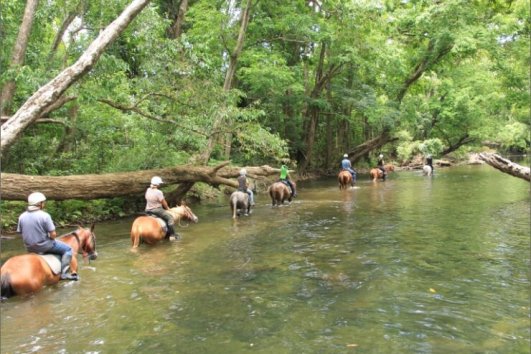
(410, 265)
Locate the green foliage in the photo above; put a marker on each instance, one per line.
(151, 101)
(514, 137)
(409, 149)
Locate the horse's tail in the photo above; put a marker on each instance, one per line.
(136, 231)
(6, 290)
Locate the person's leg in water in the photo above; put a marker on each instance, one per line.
(65, 252)
(251, 196)
(292, 187)
(353, 174)
(169, 224)
(384, 174)
(164, 215)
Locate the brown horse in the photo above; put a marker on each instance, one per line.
(345, 179)
(376, 173)
(151, 229)
(280, 192)
(29, 273)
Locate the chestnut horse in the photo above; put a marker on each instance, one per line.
(345, 179)
(239, 201)
(28, 273)
(151, 229)
(280, 192)
(376, 173)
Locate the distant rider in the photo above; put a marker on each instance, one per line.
(347, 165)
(38, 233)
(285, 178)
(243, 185)
(429, 162)
(380, 165)
(156, 205)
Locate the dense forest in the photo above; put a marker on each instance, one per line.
(103, 87)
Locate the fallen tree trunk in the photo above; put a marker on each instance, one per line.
(87, 187)
(505, 165)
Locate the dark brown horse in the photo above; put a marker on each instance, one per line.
(29, 273)
(239, 201)
(345, 179)
(280, 192)
(151, 229)
(376, 173)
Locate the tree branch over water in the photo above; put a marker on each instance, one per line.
(506, 166)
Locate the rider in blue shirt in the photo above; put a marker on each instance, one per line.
(347, 165)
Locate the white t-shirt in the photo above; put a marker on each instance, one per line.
(154, 198)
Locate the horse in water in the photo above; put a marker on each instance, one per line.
(376, 173)
(280, 192)
(151, 229)
(427, 170)
(29, 273)
(345, 179)
(239, 202)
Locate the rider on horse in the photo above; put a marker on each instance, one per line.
(429, 162)
(243, 186)
(285, 178)
(380, 165)
(38, 233)
(347, 165)
(156, 205)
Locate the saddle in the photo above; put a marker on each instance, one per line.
(160, 220)
(285, 182)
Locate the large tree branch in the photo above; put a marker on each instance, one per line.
(49, 93)
(506, 166)
(18, 187)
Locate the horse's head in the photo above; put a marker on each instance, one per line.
(87, 242)
(183, 212)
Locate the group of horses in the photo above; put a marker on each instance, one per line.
(344, 178)
(29, 273)
(278, 191)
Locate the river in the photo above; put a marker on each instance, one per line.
(410, 265)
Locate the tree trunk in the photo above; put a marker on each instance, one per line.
(64, 26)
(506, 166)
(49, 93)
(231, 71)
(19, 51)
(176, 28)
(18, 187)
(465, 139)
(370, 145)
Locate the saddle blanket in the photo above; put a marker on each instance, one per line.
(54, 261)
(160, 221)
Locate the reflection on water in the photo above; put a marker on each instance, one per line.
(413, 264)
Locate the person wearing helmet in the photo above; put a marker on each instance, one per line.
(38, 233)
(243, 185)
(429, 162)
(285, 178)
(156, 205)
(380, 165)
(347, 165)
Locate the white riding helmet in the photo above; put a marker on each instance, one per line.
(345, 156)
(156, 181)
(381, 156)
(35, 198)
(243, 172)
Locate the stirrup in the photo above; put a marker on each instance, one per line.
(66, 276)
